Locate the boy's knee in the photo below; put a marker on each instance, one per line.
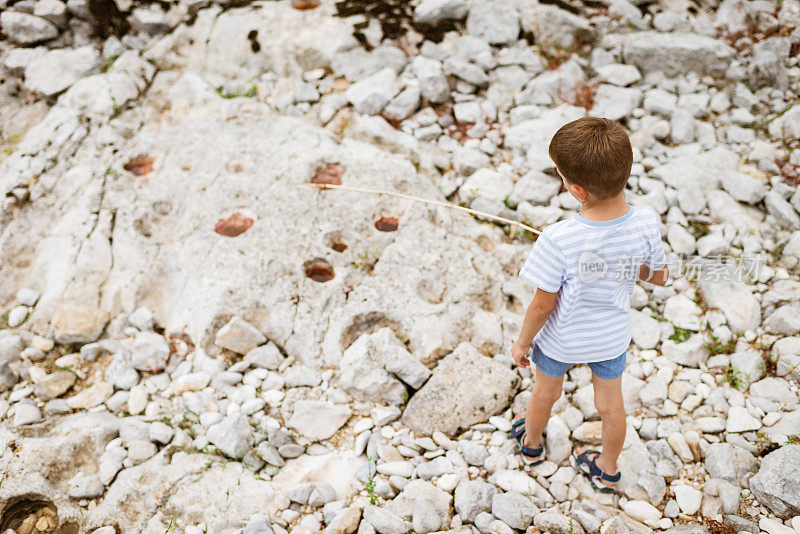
(609, 407)
(545, 396)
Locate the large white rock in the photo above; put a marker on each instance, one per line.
(676, 53)
(465, 388)
(371, 94)
(25, 29)
(58, 69)
(733, 297)
(318, 420)
(435, 11)
(682, 312)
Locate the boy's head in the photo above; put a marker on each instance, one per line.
(593, 153)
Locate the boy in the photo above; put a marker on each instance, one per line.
(584, 269)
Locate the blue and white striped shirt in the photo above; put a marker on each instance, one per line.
(593, 266)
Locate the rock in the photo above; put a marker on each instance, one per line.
(681, 241)
(17, 316)
(682, 129)
(58, 69)
(740, 420)
(729, 462)
(54, 385)
(91, 396)
(78, 323)
(404, 104)
(363, 367)
(496, 22)
(239, 336)
(371, 94)
(161, 433)
(86, 487)
(619, 74)
(729, 495)
(149, 19)
(27, 297)
(682, 312)
(384, 521)
(785, 320)
(786, 126)
(266, 356)
(141, 450)
(777, 482)
(712, 245)
(403, 505)
(8, 376)
(781, 210)
(513, 509)
(433, 12)
(149, 352)
(232, 436)
(463, 69)
(345, 522)
(743, 187)
(774, 389)
(772, 526)
(534, 187)
(142, 318)
(556, 523)
(26, 413)
(688, 498)
(615, 103)
(465, 389)
(676, 53)
(54, 11)
(318, 420)
(488, 185)
(473, 497)
(25, 29)
(404, 366)
(557, 440)
(425, 519)
(432, 81)
(190, 382)
(356, 63)
(734, 298)
(641, 511)
(555, 26)
(787, 352)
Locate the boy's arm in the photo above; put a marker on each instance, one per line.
(658, 277)
(538, 312)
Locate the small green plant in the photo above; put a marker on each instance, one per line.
(107, 63)
(367, 262)
(715, 346)
(110, 171)
(658, 318)
(571, 530)
(733, 376)
(474, 191)
(699, 229)
(9, 144)
(680, 335)
(171, 520)
(793, 439)
(369, 487)
(250, 92)
(505, 201)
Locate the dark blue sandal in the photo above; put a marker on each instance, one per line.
(587, 463)
(517, 428)
(537, 454)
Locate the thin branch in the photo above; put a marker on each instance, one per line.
(418, 199)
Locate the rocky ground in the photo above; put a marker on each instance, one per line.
(193, 343)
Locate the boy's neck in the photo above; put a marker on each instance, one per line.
(605, 209)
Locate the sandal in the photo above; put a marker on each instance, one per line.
(518, 433)
(587, 463)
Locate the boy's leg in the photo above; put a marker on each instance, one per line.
(546, 391)
(608, 401)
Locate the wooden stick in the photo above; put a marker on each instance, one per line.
(418, 199)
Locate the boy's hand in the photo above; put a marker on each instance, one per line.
(518, 352)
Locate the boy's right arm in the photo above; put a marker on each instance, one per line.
(538, 312)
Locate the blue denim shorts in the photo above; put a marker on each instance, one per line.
(606, 369)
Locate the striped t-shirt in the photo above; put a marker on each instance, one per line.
(593, 266)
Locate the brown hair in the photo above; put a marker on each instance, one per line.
(594, 153)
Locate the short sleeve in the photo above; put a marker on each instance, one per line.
(545, 266)
(656, 259)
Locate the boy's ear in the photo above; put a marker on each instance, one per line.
(579, 191)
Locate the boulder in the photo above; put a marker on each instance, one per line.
(777, 482)
(58, 69)
(676, 53)
(25, 29)
(465, 388)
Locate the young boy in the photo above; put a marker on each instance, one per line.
(584, 269)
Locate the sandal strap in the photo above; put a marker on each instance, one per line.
(589, 457)
(527, 451)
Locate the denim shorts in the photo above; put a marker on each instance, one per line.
(606, 369)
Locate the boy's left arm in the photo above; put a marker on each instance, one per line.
(658, 277)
